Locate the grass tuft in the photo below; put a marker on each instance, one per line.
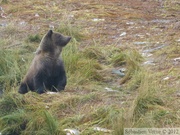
(4, 2)
(148, 96)
(68, 29)
(12, 68)
(34, 38)
(85, 69)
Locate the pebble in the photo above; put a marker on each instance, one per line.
(3, 24)
(140, 43)
(147, 54)
(72, 131)
(102, 129)
(36, 15)
(149, 63)
(110, 90)
(97, 20)
(153, 49)
(178, 40)
(130, 23)
(177, 59)
(118, 72)
(123, 34)
(166, 78)
(49, 92)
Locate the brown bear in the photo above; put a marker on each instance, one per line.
(47, 69)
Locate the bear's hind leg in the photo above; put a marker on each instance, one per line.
(23, 88)
(39, 83)
(61, 82)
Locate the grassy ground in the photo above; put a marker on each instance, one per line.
(140, 38)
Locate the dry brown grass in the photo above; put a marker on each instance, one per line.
(140, 99)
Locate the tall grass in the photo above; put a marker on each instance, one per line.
(11, 68)
(20, 116)
(79, 66)
(129, 58)
(146, 103)
(85, 67)
(12, 114)
(68, 29)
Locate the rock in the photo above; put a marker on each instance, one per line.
(123, 34)
(122, 70)
(166, 78)
(150, 62)
(102, 129)
(130, 23)
(140, 43)
(97, 20)
(22, 23)
(178, 40)
(3, 24)
(1, 9)
(72, 131)
(161, 21)
(178, 94)
(110, 90)
(36, 15)
(51, 26)
(49, 92)
(147, 54)
(177, 26)
(153, 49)
(177, 59)
(47, 107)
(118, 72)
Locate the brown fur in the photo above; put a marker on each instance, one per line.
(47, 69)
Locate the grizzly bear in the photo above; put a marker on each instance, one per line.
(47, 69)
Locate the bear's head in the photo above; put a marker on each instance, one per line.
(52, 43)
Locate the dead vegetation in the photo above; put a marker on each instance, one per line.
(139, 38)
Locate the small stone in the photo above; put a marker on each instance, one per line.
(23, 60)
(51, 26)
(36, 15)
(178, 40)
(47, 107)
(149, 63)
(130, 23)
(3, 24)
(22, 23)
(97, 20)
(140, 43)
(102, 129)
(110, 90)
(166, 78)
(72, 131)
(51, 92)
(123, 34)
(118, 72)
(147, 54)
(177, 59)
(122, 70)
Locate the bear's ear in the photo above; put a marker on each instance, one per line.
(50, 32)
